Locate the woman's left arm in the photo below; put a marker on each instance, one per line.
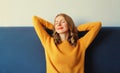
(93, 28)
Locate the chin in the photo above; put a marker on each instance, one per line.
(61, 32)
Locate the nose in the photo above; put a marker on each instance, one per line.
(59, 24)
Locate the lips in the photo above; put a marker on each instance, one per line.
(59, 28)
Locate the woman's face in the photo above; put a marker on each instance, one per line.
(61, 25)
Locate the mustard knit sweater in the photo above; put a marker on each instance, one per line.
(64, 58)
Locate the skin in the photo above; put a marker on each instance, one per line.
(61, 27)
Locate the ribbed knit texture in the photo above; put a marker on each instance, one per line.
(64, 58)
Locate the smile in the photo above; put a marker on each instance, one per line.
(59, 28)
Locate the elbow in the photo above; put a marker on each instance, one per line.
(34, 18)
(99, 24)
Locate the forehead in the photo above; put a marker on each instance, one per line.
(59, 18)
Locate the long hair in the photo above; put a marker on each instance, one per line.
(73, 34)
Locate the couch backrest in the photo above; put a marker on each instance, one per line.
(22, 52)
(103, 55)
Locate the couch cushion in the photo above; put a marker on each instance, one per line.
(103, 55)
(20, 51)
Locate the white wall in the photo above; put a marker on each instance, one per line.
(20, 12)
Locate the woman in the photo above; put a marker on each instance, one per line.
(64, 51)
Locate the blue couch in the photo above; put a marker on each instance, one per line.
(22, 52)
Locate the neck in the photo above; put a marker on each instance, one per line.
(64, 36)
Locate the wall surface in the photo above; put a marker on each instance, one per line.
(20, 12)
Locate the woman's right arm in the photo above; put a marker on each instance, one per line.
(39, 25)
(44, 23)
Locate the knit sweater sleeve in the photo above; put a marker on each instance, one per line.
(39, 25)
(93, 28)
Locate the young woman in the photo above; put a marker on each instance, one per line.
(64, 51)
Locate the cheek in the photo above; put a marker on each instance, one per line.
(66, 27)
(55, 27)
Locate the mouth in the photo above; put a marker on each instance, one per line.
(59, 28)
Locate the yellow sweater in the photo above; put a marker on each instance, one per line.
(64, 58)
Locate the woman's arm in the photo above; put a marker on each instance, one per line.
(44, 23)
(39, 25)
(93, 28)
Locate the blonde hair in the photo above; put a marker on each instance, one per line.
(73, 34)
